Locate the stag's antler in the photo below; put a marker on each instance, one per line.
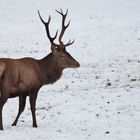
(64, 27)
(47, 29)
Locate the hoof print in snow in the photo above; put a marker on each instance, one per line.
(67, 87)
(59, 131)
(108, 84)
(97, 77)
(97, 115)
(107, 132)
(132, 80)
(84, 129)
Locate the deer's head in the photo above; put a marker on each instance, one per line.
(63, 58)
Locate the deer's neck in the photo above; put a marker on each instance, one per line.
(51, 71)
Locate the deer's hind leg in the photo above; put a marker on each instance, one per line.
(2, 102)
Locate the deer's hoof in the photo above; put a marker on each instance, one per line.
(35, 126)
(13, 124)
(1, 129)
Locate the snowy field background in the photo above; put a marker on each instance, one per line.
(98, 101)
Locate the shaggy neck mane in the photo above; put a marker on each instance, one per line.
(51, 71)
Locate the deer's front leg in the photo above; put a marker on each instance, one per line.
(33, 97)
(22, 102)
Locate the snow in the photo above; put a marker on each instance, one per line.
(98, 101)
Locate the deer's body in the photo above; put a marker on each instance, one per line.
(17, 79)
(24, 77)
(29, 74)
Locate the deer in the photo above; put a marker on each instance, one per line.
(25, 76)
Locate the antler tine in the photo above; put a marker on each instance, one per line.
(61, 13)
(69, 43)
(64, 27)
(42, 19)
(47, 28)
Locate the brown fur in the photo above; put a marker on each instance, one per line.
(24, 77)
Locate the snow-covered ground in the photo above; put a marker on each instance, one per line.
(98, 101)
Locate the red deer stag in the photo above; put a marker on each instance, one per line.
(24, 77)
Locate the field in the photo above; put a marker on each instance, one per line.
(98, 101)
